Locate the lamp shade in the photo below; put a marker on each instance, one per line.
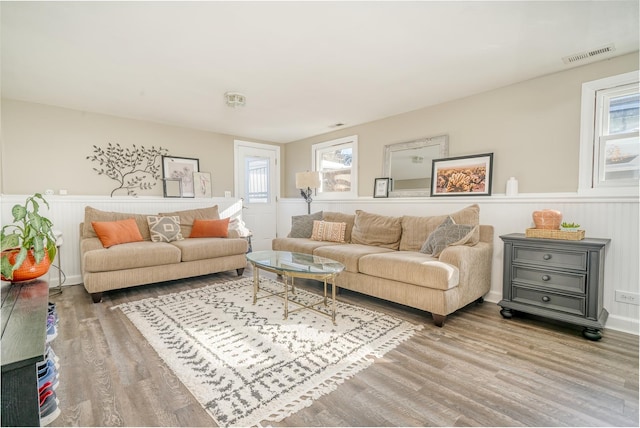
(309, 179)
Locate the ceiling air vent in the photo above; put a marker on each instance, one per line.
(570, 59)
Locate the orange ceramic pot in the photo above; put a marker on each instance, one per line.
(547, 219)
(29, 269)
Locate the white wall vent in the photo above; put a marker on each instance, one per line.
(589, 54)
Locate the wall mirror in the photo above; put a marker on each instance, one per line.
(409, 164)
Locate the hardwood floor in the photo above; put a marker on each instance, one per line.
(479, 370)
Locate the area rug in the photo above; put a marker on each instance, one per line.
(244, 363)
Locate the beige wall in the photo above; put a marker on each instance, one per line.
(533, 129)
(56, 141)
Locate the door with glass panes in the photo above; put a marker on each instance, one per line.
(256, 182)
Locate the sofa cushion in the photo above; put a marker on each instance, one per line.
(411, 267)
(208, 248)
(210, 228)
(348, 254)
(164, 228)
(336, 217)
(416, 230)
(188, 216)
(448, 233)
(377, 230)
(92, 214)
(328, 231)
(116, 232)
(298, 245)
(130, 255)
(302, 225)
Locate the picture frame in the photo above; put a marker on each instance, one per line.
(178, 168)
(202, 184)
(172, 187)
(381, 187)
(462, 176)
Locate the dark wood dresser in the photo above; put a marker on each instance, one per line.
(557, 279)
(24, 333)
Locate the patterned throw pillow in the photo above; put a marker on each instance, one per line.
(164, 228)
(328, 231)
(302, 225)
(448, 233)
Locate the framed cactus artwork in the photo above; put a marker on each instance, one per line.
(462, 175)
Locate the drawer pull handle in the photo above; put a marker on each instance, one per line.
(546, 277)
(547, 257)
(546, 299)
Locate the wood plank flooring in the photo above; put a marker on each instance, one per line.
(479, 370)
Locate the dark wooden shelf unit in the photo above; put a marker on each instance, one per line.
(24, 334)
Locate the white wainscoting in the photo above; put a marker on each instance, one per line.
(67, 212)
(613, 218)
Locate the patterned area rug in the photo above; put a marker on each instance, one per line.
(244, 363)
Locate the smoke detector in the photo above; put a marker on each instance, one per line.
(234, 99)
(570, 59)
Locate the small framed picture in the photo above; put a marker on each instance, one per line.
(181, 169)
(462, 176)
(202, 184)
(381, 187)
(172, 187)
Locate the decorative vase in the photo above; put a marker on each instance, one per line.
(29, 269)
(547, 219)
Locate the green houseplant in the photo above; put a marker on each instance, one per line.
(28, 237)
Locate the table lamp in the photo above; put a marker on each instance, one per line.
(305, 181)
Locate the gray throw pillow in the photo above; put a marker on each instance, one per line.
(448, 233)
(302, 225)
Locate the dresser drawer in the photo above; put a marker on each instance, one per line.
(550, 257)
(559, 281)
(543, 299)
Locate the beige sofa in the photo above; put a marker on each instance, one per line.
(382, 258)
(144, 262)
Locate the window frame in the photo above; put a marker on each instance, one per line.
(589, 182)
(344, 141)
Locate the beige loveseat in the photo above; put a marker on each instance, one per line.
(382, 258)
(145, 262)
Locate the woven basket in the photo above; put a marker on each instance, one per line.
(555, 234)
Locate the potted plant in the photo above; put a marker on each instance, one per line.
(569, 227)
(28, 245)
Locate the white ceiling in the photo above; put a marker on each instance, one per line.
(303, 66)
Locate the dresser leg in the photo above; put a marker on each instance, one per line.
(592, 333)
(506, 313)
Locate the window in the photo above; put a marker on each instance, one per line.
(610, 146)
(257, 182)
(337, 162)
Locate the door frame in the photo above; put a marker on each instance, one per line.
(236, 168)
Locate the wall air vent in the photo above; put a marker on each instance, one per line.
(570, 59)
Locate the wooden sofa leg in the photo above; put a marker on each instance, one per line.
(240, 271)
(438, 320)
(96, 297)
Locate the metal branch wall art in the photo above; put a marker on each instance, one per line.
(134, 169)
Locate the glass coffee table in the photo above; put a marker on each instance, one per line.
(296, 265)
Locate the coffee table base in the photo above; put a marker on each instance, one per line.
(289, 278)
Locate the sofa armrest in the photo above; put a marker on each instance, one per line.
(465, 257)
(474, 264)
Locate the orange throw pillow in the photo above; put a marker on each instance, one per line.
(210, 228)
(112, 233)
